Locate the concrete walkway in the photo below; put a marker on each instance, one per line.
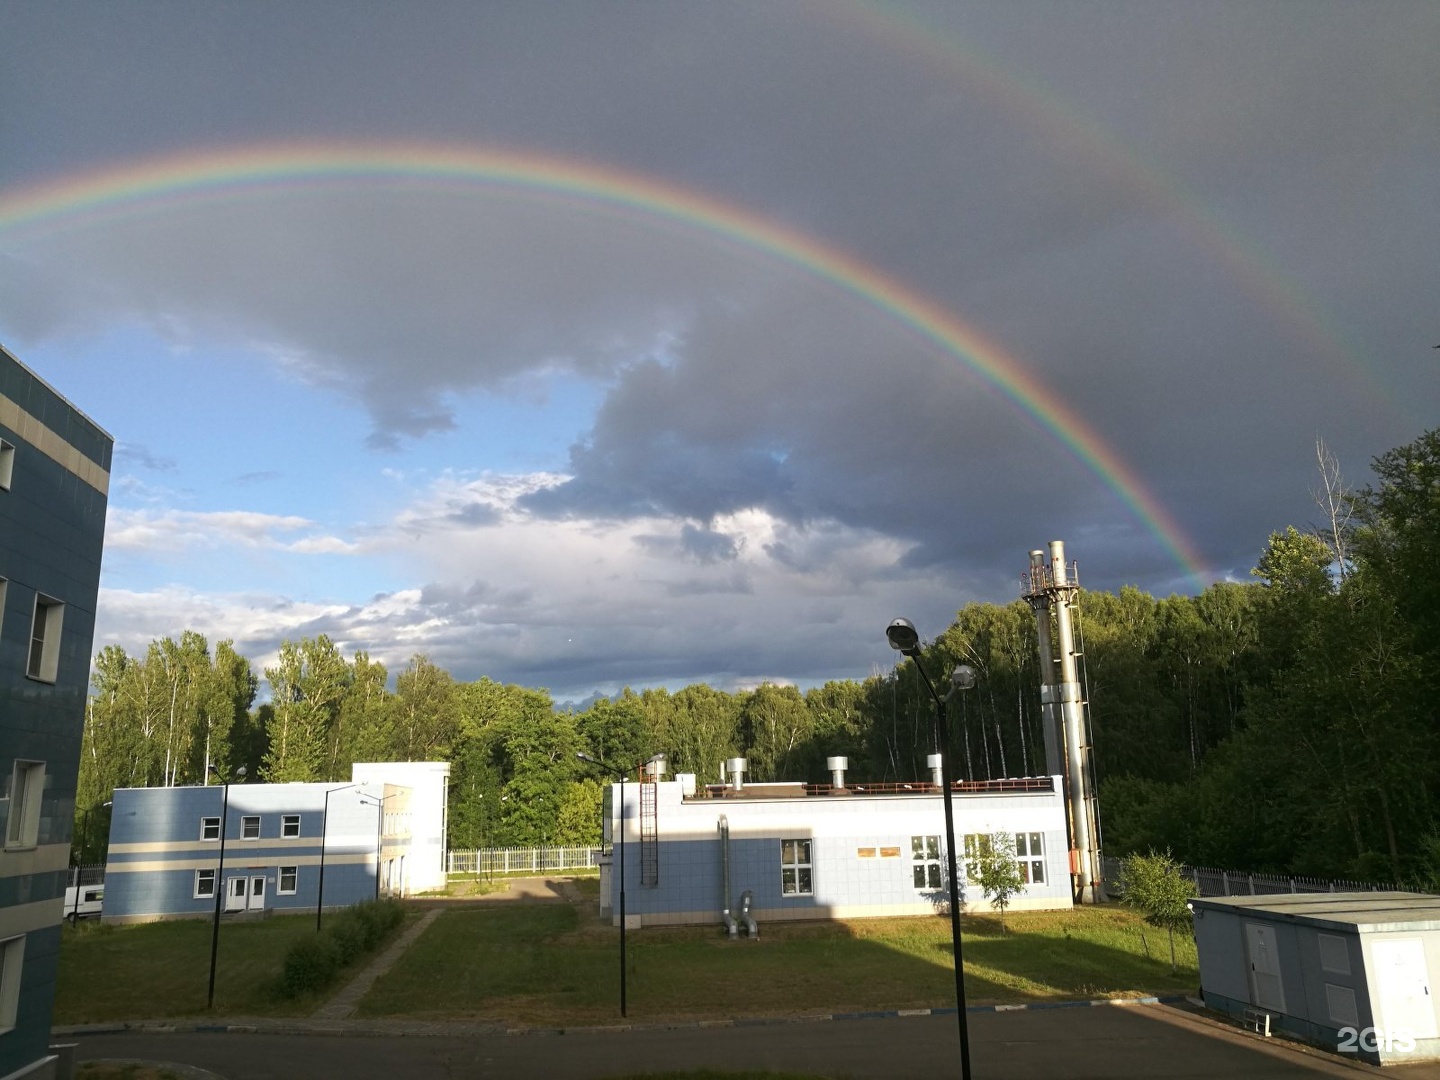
(344, 1004)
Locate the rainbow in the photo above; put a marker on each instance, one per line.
(143, 186)
(1079, 137)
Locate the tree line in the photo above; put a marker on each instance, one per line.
(1280, 724)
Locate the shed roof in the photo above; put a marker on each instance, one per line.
(1355, 912)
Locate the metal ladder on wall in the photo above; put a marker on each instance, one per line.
(649, 833)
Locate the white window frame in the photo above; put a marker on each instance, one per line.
(975, 845)
(246, 825)
(7, 464)
(206, 824)
(12, 964)
(27, 788)
(3, 585)
(927, 865)
(1030, 856)
(797, 868)
(42, 662)
(203, 876)
(280, 889)
(289, 826)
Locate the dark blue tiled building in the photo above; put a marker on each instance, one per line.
(54, 481)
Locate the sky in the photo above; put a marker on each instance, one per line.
(600, 344)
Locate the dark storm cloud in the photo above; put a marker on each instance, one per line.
(1208, 230)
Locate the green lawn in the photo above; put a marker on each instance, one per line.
(557, 965)
(162, 969)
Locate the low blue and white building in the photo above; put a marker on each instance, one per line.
(380, 834)
(828, 851)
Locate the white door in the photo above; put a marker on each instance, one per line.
(236, 889)
(257, 894)
(1265, 984)
(1403, 984)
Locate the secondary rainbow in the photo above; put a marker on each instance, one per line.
(69, 203)
(1078, 136)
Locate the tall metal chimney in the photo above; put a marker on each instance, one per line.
(1051, 592)
(837, 767)
(1036, 592)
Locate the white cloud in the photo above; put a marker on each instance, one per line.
(170, 530)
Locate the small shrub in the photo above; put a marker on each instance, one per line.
(310, 965)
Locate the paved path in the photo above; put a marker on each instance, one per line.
(530, 890)
(344, 1004)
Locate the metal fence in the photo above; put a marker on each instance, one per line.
(1210, 881)
(488, 862)
(90, 874)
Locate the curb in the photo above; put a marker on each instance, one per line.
(370, 1028)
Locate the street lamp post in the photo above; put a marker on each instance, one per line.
(220, 878)
(80, 859)
(619, 854)
(324, 828)
(905, 639)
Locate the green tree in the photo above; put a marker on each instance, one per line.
(1153, 883)
(307, 685)
(992, 865)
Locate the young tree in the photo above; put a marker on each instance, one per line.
(995, 869)
(1153, 884)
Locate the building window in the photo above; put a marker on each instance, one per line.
(976, 845)
(44, 663)
(12, 962)
(204, 884)
(925, 861)
(27, 785)
(1030, 854)
(209, 828)
(288, 876)
(7, 464)
(795, 877)
(250, 828)
(290, 825)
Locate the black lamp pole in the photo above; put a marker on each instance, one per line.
(219, 879)
(620, 855)
(324, 828)
(80, 857)
(906, 640)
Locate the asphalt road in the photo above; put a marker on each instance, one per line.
(1106, 1043)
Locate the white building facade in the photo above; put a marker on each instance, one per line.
(820, 852)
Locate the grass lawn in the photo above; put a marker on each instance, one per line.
(162, 969)
(556, 965)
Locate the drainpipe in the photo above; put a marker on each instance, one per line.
(731, 926)
(752, 928)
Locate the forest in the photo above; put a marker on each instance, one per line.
(1284, 723)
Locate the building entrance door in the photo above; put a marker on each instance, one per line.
(236, 891)
(1265, 981)
(257, 894)
(1404, 985)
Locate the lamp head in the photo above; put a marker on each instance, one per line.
(586, 757)
(903, 636)
(963, 677)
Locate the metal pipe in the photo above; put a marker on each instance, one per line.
(723, 824)
(1050, 722)
(837, 767)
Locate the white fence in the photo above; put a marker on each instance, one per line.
(491, 861)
